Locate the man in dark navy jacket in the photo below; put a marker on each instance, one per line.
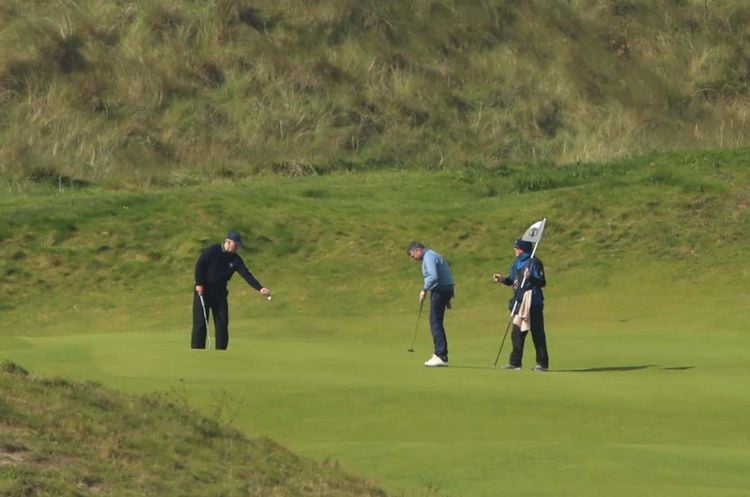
(214, 268)
(526, 275)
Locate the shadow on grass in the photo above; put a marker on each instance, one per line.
(468, 366)
(602, 369)
(621, 368)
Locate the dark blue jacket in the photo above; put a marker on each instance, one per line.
(535, 282)
(215, 267)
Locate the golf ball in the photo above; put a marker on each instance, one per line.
(268, 298)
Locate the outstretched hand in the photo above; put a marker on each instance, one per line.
(266, 293)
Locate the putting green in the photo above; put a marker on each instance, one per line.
(641, 400)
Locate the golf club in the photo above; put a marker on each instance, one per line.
(502, 342)
(411, 349)
(205, 320)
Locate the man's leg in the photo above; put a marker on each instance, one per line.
(438, 303)
(221, 322)
(539, 337)
(198, 340)
(517, 337)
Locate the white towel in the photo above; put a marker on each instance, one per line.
(522, 319)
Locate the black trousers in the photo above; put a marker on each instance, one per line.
(216, 306)
(538, 336)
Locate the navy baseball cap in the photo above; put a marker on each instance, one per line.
(524, 245)
(235, 237)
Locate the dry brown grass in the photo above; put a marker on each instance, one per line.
(170, 91)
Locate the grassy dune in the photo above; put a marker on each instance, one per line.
(171, 91)
(646, 312)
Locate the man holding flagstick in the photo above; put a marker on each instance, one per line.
(526, 276)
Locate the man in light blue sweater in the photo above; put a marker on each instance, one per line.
(438, 280)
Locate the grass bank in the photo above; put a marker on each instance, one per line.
(62, 438)
(320, 242)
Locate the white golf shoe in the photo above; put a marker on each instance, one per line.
(435, 362)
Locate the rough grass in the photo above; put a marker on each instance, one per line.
(63, 438)
(170, 91)
(126, 247)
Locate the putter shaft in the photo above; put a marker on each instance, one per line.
(205, 320)
(416, 328)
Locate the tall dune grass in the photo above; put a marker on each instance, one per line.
(172, 91)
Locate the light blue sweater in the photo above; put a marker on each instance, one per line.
(436, 271)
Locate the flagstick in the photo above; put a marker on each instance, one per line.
(533, 252)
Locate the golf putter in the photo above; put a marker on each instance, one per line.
(510, 321)
(205, 320)
(416, 328)
(497, 358)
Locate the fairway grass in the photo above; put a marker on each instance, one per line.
(634, 405)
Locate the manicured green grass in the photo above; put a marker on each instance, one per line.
(646, 316)
(637, 403)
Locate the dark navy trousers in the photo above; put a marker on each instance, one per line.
(538, 336)
(439, 300)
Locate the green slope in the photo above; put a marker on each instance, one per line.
(682, 214)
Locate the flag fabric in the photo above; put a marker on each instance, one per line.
(534, 233)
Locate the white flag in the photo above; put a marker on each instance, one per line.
(534, 233)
